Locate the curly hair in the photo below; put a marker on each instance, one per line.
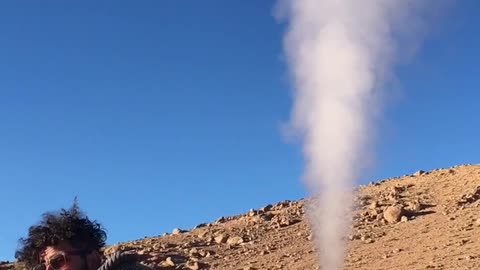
(69, 225)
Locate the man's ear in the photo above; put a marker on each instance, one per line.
(94, 260)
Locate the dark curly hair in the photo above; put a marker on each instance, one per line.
(69, 225)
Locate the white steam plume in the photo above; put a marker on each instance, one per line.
(340, 53)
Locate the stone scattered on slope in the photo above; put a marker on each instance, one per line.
(419, 173)
(235, 240)
(470, 197)
(221, 238)
(393, 214)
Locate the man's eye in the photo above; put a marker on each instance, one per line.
(57, 262)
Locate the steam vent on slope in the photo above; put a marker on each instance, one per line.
(427, 220)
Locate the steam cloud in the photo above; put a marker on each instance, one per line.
(340, 54)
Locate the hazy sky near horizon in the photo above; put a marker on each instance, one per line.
(159, 115)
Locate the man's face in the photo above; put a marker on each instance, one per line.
(64, 257)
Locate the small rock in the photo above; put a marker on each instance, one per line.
(403, 219)
(477, 222)
(201, 225)
(414, 206)
(202, 234)
(236, 240)
(167, 245)
(193, 252)
(373, 213)
(418, 173)
(202, 253)
(285, 221)
(282, 205)
(267, 216)
(266, 208)
(369, 241)
(176, 231)
(393, 214)
(222, 238)
(396, 190)
(373, 205)
(462, 242)
(193, 266)
(169, 261)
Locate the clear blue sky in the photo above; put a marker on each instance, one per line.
(160, 115)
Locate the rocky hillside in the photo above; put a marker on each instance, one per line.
(6, 265)
(428, 220)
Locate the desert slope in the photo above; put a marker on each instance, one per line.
(429, 220)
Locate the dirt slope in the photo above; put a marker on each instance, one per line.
(429, 220)
(433, 223)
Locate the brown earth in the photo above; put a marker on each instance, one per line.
(428, 220)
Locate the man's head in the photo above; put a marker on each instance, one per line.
(67, 240)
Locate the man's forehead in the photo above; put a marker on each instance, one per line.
(61, 246)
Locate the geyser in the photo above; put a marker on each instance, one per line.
(340, 53)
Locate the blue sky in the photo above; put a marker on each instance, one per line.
(160, 115)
